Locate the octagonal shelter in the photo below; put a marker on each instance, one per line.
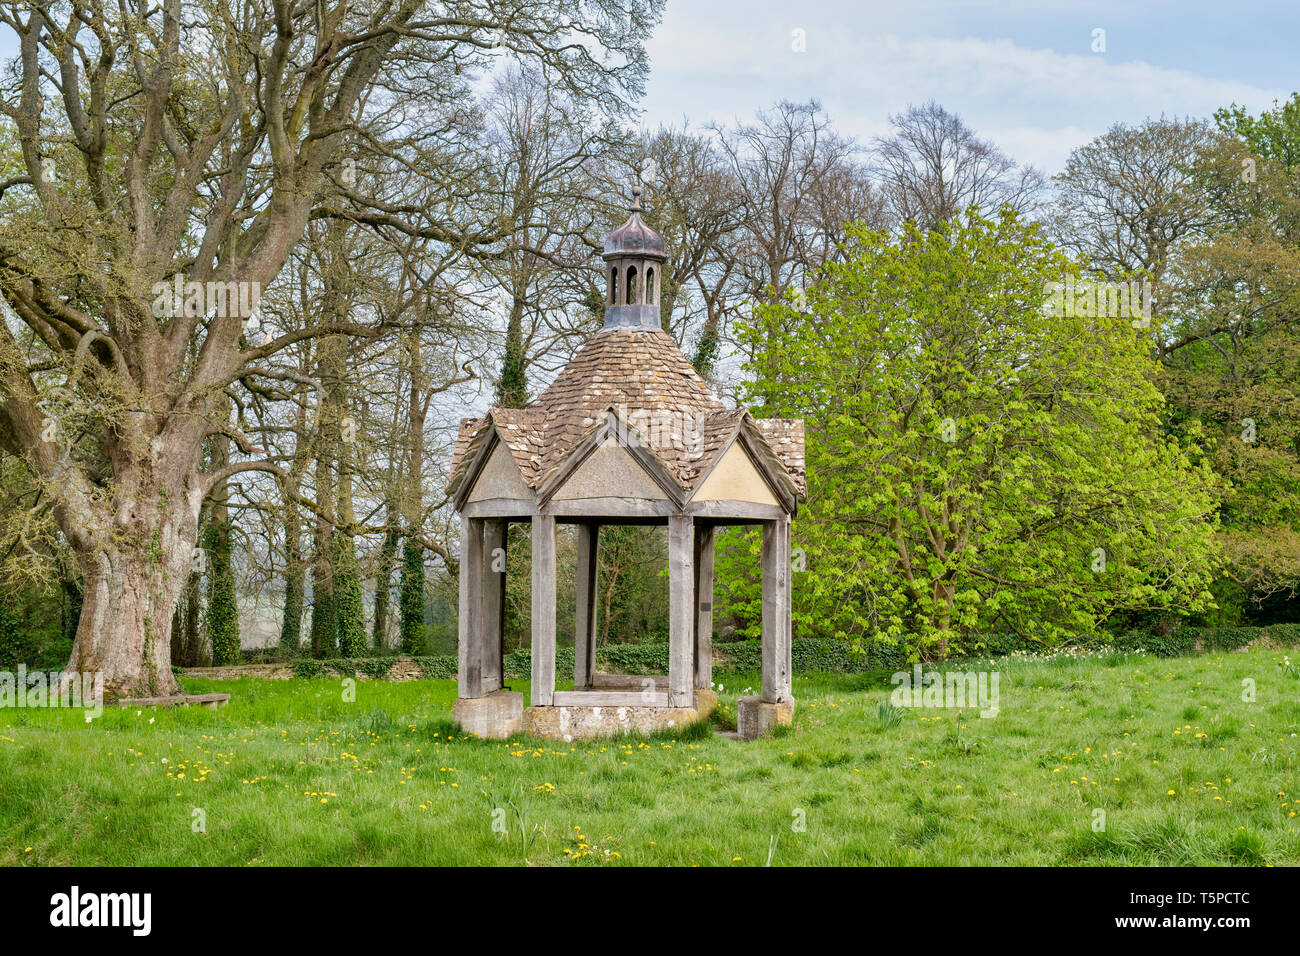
(628, 433)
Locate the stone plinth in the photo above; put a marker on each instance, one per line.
(755, 716)
(497, 715)
(587, 721)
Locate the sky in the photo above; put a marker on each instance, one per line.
(1023, 74)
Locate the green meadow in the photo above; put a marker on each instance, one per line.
(1103, 759)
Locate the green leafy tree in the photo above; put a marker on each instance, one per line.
(738, 582)
(1274, 134)
(1211, 213)
(975, 461)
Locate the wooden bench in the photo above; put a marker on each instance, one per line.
(177, 700)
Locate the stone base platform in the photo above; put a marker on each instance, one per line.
(496, 716)
(587, 721)
(755, 716)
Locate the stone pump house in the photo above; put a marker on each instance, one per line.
(628, 433)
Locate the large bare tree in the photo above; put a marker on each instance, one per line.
(933, 166)
(171, 158)
(1132, 197)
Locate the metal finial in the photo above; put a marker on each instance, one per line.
(636, 199)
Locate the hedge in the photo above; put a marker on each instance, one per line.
(811, 654)
(376, 667)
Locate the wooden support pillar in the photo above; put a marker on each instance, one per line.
(681, 611)
(492, 637)
(584, 635)
(469, 656)
(776, 611)
(789, 606)
(703, 606)
(543, 684)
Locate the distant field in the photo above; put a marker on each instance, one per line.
(1185, 770)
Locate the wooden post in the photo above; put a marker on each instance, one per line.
(543, 685)
(584, 635)
(681, 611)
(789, 607)
(704, 606)
(494, 602)
(776, 616)
(469, 656)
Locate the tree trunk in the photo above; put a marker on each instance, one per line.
(222, 617)
(185, 624)
(348, 602)
(512, 392)
(191, 640)
(324, 621)
(129, 597)
(411, 594)
(324, 614)
(295, 571)
(72, 607)
(384, 577)
(294, 577)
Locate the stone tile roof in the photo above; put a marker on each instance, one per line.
(653, 389)
(637, 368)
(785, 437)
(468, 430)
(716, 431)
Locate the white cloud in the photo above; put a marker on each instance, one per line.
(1036, 103)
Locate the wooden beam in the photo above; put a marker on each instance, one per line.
(789, 606)
(469, 659)
(776, 613)
(494, 602)
(631, 508)
(584, 632)
(703, 606)
(543, 601)
(610, 698)
(681, 611)
(746, 511)
(500, 508)
(601, 680)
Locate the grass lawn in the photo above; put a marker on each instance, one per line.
(288, 773)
